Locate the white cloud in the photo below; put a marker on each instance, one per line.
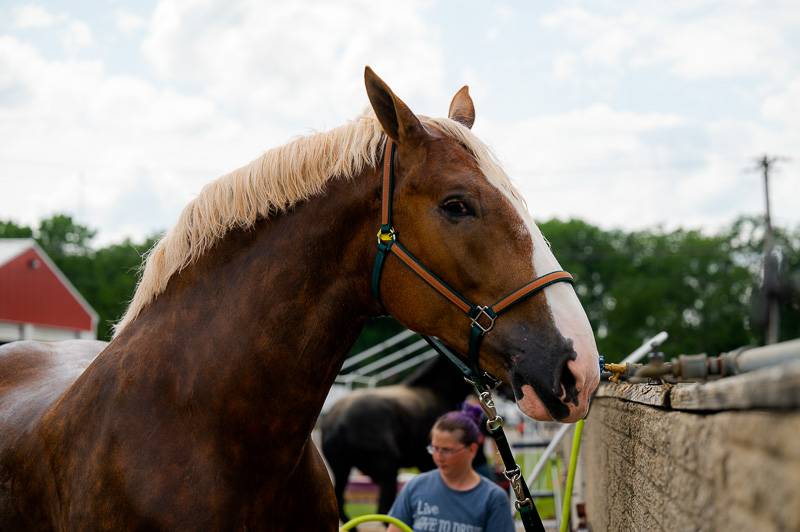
(81, 139)
(76, 126)
(564, 66)
(74, 34)
(77, 35)
(694, 41)
(783, 105)
(220, 82)
(129, 22)
(588, 163)
(33, 16)
(274, 58)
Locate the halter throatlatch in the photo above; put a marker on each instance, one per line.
(482, 320)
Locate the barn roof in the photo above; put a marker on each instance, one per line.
(11, 247)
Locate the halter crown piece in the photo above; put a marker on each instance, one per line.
(482, 319)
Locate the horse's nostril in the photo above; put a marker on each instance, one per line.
(568, 392)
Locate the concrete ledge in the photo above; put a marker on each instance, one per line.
(717, 456)
(774, 387)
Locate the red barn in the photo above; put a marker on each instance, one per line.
(37, 302)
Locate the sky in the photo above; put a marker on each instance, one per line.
(624, 114)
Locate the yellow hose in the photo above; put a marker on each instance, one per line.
(573, 464)
(376, 517)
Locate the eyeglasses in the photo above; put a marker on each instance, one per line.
(444, 451)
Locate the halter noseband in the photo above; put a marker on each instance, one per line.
(482, 317)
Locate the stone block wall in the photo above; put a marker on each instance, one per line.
(650, 468)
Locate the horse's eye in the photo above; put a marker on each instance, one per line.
(456, 208)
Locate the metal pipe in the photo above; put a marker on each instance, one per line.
(363, 355)
(411, 362)
(768, 355)
(646, 347)
(390, 359)
(546, 454)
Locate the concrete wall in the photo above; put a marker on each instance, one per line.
(651, 468)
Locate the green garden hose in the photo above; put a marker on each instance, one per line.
(376, 517)
(573, 464)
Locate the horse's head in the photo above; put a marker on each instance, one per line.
(456, 211)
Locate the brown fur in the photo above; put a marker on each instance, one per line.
(197, 415)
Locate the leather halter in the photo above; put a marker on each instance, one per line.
(482, 317)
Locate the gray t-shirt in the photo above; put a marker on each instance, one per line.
(427, 504)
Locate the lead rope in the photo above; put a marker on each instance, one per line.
(494, 425)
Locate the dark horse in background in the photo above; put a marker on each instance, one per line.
(198, 414)
(380, 430)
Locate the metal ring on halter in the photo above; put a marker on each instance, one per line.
(483, 314)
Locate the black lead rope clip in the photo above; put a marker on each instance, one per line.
(529, 514)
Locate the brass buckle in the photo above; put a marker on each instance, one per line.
(483, 314)
(387, 236)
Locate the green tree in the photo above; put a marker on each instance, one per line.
(9, 229)
(115, 274)
(60, 236)
(636, 284)
(105, 277)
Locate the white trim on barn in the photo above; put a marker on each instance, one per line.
(12, 331)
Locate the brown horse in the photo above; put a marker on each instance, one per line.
(197, 415)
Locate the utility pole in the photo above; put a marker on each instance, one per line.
(765, 164)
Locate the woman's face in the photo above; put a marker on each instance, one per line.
(449, 454)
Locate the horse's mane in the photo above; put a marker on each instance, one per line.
(273, 183)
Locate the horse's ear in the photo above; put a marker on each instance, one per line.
(395, 117)
(461, 108)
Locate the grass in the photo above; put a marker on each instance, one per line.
(357, 509)
(546, 508)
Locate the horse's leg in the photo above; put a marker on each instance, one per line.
(308, 502)
(382, 469)
(341, 475)
(387, 483)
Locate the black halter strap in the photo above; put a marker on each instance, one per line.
(482, 319)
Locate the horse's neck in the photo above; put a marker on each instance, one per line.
(257, 329)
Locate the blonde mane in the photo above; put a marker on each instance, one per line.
(273, 183)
